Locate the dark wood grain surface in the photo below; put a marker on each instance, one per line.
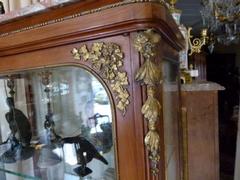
(202, 122)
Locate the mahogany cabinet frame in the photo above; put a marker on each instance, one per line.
(46, 39)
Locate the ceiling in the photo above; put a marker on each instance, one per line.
(191, 16)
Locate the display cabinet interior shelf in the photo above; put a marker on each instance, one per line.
(91, 91)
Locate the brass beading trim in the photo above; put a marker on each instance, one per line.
(110, 6)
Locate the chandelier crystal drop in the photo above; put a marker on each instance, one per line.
(222, 18)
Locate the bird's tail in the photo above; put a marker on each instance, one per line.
(101, 158)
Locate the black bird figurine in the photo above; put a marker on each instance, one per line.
(18, 123)
(20, 136)
(85, 153)
(2, 10)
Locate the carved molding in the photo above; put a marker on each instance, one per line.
(110, 6)
(107, 58)
(149, 74)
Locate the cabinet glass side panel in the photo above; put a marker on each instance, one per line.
(55, 123)
(171, 119)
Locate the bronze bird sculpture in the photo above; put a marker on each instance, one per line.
(2, 10)
(19, 137)
(85, 153)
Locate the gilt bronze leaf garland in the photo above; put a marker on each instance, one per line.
(146, 43)
(149, 74)
(151, 108)
(108, 59)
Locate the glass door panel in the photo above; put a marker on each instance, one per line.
(56, 123)
(171, 119)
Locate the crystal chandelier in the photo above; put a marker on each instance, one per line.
(222, 18)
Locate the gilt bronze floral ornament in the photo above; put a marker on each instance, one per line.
(149, 74)
(108, 59)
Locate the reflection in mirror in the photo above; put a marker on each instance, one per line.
(56, 123)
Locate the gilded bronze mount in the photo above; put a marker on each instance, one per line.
(107, 58)
(149, 74)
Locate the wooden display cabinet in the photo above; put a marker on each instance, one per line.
(91, 60)
(200, 125)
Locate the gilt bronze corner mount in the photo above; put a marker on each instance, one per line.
(107, 58)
